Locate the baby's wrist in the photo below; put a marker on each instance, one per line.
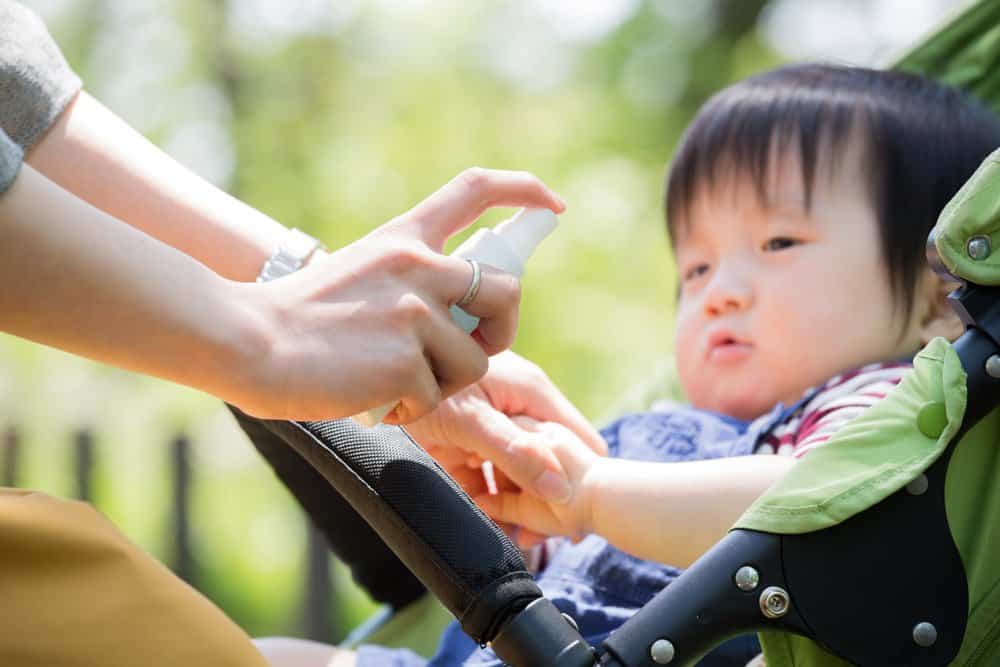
(589, 491)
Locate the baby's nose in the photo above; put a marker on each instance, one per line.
(728, 295)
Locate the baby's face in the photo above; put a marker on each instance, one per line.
(775, 298)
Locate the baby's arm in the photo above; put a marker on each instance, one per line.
(667, 512)
(674, 512)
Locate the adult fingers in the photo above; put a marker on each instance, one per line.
(444, 280)
(456, 359)
(464, 198)
(422, 394)
(497, 305)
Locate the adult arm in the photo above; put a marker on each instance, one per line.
(93, 153)
(77, 279)
(364, 326)
(85, 148)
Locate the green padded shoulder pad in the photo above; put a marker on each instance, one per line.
(973, 215)
(872, 456)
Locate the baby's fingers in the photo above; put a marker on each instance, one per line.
(529, 539)
(521, 509)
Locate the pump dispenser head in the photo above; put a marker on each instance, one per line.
(526, 230)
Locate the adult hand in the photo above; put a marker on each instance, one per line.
(478, 421)
(369, 324)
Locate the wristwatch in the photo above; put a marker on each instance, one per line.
(290, 255)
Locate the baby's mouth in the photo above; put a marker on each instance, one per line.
(726, 348)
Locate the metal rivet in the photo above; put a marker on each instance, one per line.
(978, 247)
(918, 486)
(774, 602)
(746, 578)
(662, 651)
(571, 621)
(924, 634)
(993, 366)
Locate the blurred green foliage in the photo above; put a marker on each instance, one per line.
(335, 117)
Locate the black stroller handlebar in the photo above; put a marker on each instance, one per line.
(440, 534)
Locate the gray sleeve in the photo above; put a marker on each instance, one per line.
(10, 161)
(36, 83)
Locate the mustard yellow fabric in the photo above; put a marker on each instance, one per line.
(75, 592)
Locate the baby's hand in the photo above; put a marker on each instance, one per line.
(479, 478)
(570, 518)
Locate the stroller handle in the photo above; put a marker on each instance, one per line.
(439, 533)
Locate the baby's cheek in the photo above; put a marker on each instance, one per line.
(689, 372)
(686, 331)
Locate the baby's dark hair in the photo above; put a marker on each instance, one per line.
(922, 141)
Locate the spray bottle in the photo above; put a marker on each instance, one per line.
(506, 247)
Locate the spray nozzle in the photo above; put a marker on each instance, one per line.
(526, 230)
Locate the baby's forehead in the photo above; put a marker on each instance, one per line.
(784, 186)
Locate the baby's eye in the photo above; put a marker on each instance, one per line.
(695, 271)
(779, 243)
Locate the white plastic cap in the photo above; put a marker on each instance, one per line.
(526, 230)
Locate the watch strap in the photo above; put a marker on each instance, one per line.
(290, 255)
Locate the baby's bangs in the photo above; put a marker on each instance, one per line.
(742, 131)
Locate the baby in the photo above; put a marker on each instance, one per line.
(798, 205)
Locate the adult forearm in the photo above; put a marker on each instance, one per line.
(101, 159)
(673, 512)
(75, 278)
(363, 327)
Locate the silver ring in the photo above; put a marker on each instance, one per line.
(473, 291)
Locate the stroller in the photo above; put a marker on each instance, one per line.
(878, 550)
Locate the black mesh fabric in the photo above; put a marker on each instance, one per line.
(476, 550)
(458, 553)
(373, 565)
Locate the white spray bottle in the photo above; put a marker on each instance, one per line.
(506, 247)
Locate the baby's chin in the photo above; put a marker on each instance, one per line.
(745, 408)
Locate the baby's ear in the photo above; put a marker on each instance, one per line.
(939, 317)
